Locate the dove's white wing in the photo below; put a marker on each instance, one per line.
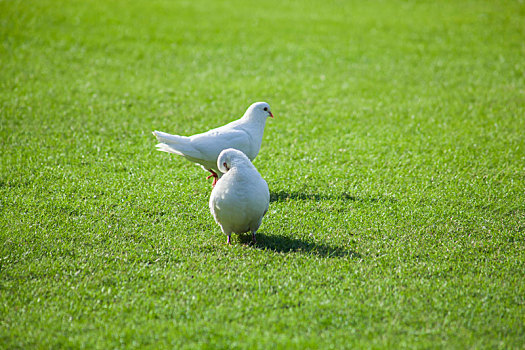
(211, 143)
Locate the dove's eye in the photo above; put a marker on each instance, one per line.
(265, 108)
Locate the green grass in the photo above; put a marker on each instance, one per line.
(396, 166)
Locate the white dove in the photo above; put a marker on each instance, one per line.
(241, 197)
(244, 134)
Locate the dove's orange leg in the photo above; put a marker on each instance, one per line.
(214, 175)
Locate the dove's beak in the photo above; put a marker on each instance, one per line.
(271, 115)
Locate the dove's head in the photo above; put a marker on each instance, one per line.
(230, 158)
(258, 111)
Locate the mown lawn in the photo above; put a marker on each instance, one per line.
(396, 166)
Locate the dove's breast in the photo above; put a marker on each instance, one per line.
(254, 133)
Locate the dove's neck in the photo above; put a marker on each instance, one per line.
(254, 126)
(254, 118)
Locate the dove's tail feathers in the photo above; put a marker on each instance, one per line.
(174, 144)
(164, 137)
(166, 148)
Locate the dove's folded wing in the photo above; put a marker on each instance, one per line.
(210, 144)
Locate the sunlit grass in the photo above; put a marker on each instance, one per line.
(395, 164)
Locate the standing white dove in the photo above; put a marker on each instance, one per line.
(244, 134)
(241, 197)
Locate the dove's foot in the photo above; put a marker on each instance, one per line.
(228, 240)
(254, 241)
(214, 175)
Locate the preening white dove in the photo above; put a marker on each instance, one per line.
(241, 197)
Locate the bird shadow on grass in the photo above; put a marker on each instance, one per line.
(282, 244)
(282, 196)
